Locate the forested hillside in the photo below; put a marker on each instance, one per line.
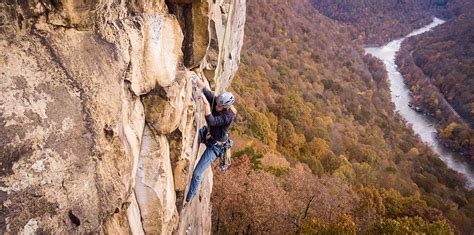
(380, 21)
(377, 21)
(439, 68)
(317, 144)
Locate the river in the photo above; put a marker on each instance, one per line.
(421, 124)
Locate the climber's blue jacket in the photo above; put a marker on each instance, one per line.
(218, 122)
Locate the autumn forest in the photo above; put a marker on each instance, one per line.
(318, 147)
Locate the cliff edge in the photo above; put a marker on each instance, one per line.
(97, 118)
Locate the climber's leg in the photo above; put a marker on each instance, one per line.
(206, 160)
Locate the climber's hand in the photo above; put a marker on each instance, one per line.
(205, 105)
(204, 99)
(199, 83)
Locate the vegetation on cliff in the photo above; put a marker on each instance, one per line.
(341, 160)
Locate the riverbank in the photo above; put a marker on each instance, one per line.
(438, 70)
(401, 97)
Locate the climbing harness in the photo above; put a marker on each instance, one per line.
(220, 148)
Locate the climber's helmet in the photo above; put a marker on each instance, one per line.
(225, 100)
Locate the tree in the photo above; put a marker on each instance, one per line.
(288, 140)
(248, 201)
(410, 225)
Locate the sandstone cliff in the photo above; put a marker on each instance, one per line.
(97, 118)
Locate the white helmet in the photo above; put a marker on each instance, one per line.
(225, 99)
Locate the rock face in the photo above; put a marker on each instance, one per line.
(97, 118)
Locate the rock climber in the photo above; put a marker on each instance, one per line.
(218, 116)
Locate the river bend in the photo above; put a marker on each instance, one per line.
(421, 124)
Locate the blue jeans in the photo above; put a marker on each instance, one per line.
(206, 160)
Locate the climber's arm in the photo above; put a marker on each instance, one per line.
(200, 84)
(221, 120)
(208, 94)
(205, 104)
(212, 120)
